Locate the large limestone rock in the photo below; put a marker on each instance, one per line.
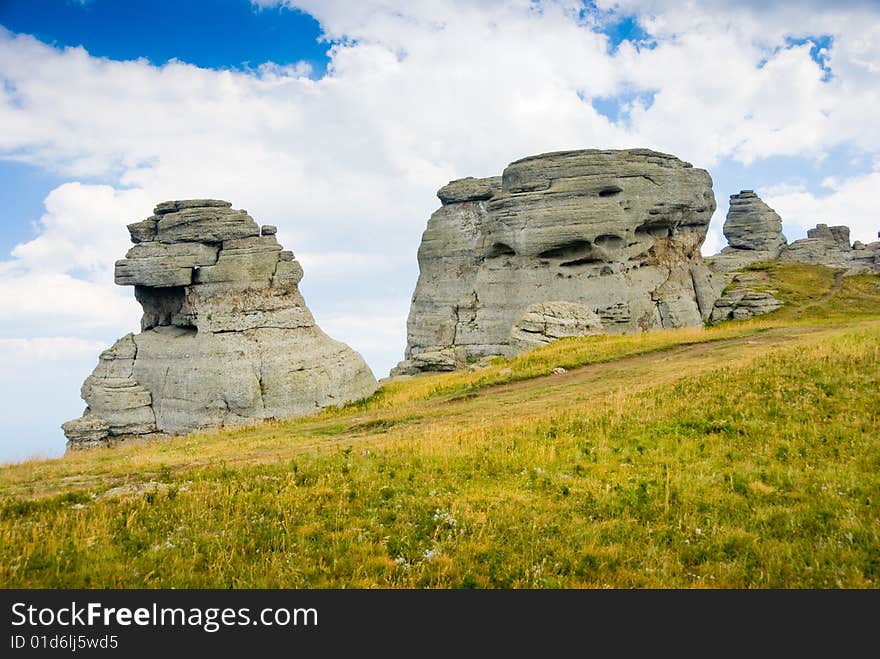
(226, 338)
(616, 234)
(753, 231)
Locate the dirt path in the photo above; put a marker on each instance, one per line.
(630, 374)
(835, 286)
(771, 337)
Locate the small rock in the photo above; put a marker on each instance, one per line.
(469, 189)
(88, 430)
(741, 301)
(144, 230)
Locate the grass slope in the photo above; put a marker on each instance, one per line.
(745, 455)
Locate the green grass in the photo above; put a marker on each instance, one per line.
(750, 458)
(812, 294)
(819, 293)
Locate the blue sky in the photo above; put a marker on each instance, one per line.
(207, 33)
(339, 120)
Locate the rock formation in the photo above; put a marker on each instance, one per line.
(753, 231)
(599, 240)
(226, 338)
(866, 257)
(547, 321)
(830, 246)
(744, 298)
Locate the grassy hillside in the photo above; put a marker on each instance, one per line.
(744, 455)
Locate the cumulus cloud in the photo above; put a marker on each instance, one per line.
(849, 201)
(81, 226)
(415, 94)
(62, 280)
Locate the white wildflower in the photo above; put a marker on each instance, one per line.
(445, 517)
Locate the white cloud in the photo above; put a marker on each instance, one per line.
(715, 101)
(34, 304)
(62, 280)
(850, 201)
(416, 94)
(377, 334)
(41, 378)
(22, 354)
(83, 224)
(349, 264)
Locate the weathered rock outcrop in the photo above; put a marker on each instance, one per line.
(547, 321)
(753, 231)
(745, 297)
(610, 240)
(866, 257)
(752, 225)
(226, 336)
(830, 246)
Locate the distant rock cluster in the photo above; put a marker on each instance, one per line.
(226, 338)
(754, 233)
(830, 246)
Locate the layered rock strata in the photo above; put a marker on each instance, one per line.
(226, 338)
(753, 231)
(745, 297)
(610, 239)
(547, 321)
